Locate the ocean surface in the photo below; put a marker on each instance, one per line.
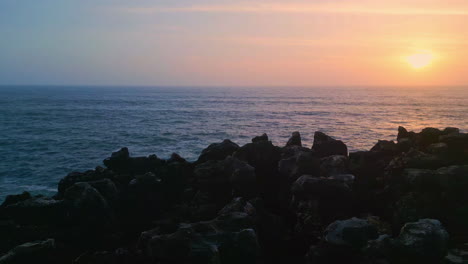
(47, 132)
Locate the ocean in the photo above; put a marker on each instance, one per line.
(48, 132)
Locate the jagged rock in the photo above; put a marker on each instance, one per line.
(31, 252)
(385, 146)
(438, 148)
(12, 199)
(333, 165)
(347, 179)
(425, 239)
(421, 180)
(120, 256)
(175, 158)
(319, 201)
(218, 151)
(264, 157)
(37, 210)
(325, 145)
(74, 177)
(302, 163)
(121, 162)
(352, 232)
(226, 239)
(294, 140)
(428, 136)
(89, 207)
(310, 187)
(263, 137)
(107, 189)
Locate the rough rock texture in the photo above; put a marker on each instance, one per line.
(325, 145)
(257, 203)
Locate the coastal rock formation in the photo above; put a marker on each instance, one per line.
(257, 203)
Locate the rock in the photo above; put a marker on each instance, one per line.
(438, 148)
(429, 136)
(74, 177)
(264, 157)
(243, 179)
(12, 199)
(38, 210)
(294, 140)
(89, 207)
(175, 158)
(421, 180)
(333, 165)
(325, 146)
(31, 252)
(310, 187)
(319, 201)
(218, 151)
(347, 179)
(120, 256)
(450, 130)
(263, 137)
(385, 146)
(121, 162)
(107, 189)
(353, 232)
(402, 133)
(425, 239)
(236, 205)
(225, 240)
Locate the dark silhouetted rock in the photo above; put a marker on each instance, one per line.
(31, 252)
(175, 158)
(218, 151)
(263, 137)
(224, 240)
(333, 165)
(353, 232)
(294, 140)
(425, 239)
(12, 199)
(325, 145)
(385, 146)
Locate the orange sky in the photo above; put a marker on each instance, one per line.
(240, 43)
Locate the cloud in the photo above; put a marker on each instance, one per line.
(302, 8)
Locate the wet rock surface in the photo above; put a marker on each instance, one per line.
(403, 201)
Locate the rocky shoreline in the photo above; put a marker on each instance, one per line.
(400, 202)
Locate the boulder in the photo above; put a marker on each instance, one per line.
(425, 239)
(176, 158)
(352, 232)
(88, 206)
(294, 140)
(438, 148)
(15, 198)
(121, 162)
(307, 187)
(325, 145)
(38, 210)
(31, 252)
(319, 201)
(263, 137)
(385, 146)
(428, 136)
(218, 151)
(91, 175)
(334, 165)
(224, 240)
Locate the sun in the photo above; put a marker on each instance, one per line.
(419, 60)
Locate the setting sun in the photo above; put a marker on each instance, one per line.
(419, 60)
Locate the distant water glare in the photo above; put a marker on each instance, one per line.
(47, 132)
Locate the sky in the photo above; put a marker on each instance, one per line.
(233, 43)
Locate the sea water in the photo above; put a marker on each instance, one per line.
(48, 132)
